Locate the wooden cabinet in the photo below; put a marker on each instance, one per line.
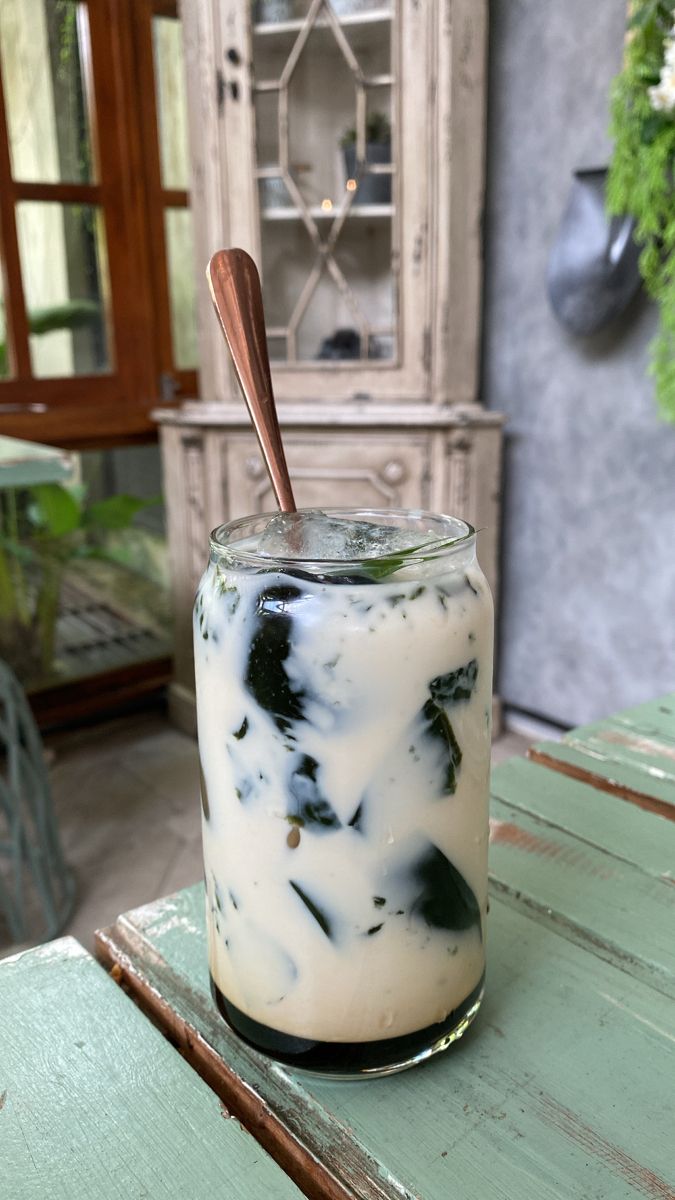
(370, 258)
(385, 470)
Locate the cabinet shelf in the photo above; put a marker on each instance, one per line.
(374, 16)
(288, 213)
(362, 28)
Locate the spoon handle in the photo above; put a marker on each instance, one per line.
(234, 284)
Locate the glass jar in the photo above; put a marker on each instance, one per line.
(344, 713)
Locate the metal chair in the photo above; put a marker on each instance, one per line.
(30, 851)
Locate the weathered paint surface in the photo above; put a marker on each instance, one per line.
(561, 1088)
(94, 1102)
(169, 974)
(564, 1085)
(631, 754)
(601, 870)
(591, 816)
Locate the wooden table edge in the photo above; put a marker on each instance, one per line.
(602, 784)
(238, 1096)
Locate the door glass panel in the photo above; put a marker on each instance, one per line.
(290, 12)
(324, 78)
(273, 194)
(267, 127)
(329, 327)
(363, 255)
(167, 38)
(287, 250)
(179, 253)
(43, 49)
(278, 12)
(4, 348)
(65, 280)
(360, 10)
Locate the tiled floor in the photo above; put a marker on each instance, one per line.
(126, 794)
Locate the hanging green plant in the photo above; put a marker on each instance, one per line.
(642, 172)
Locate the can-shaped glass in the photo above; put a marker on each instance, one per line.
(344, 715)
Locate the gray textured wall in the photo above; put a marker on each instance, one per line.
(588, 599)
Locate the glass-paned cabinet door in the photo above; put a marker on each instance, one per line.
(327, 165)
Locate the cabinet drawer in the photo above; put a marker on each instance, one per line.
(361, 470)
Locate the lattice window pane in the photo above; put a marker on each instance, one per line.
(326, 161)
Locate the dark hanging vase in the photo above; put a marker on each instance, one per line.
(593, 270)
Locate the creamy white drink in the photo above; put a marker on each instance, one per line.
(344, 735)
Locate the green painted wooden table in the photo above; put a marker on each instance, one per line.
(631, 755)
(24, 464)
(563, 1087)
(96, 1104)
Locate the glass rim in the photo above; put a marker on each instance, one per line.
(221, 543)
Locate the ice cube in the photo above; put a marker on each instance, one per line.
(315, 536)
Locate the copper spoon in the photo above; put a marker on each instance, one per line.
(234, 284)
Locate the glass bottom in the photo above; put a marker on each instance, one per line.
(351, 1060)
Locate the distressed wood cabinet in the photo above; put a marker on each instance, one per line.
(581, 976)
(342, 144)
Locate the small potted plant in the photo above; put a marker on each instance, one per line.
(346, 8)
(371, 189)
(640, 181)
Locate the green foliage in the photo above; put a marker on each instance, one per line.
(378, 129)
(73, 314)
(43, 530)
(54, 511)
(642, 177)
(117, 512)
(66, 14)
(65, 39)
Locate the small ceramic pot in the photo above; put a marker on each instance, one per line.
(372, 189)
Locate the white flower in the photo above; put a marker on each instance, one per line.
(662, 96)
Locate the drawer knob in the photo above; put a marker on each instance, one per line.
(254, 467)
(394, 471)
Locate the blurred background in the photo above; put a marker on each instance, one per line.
(588, 533)
(447, 203)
